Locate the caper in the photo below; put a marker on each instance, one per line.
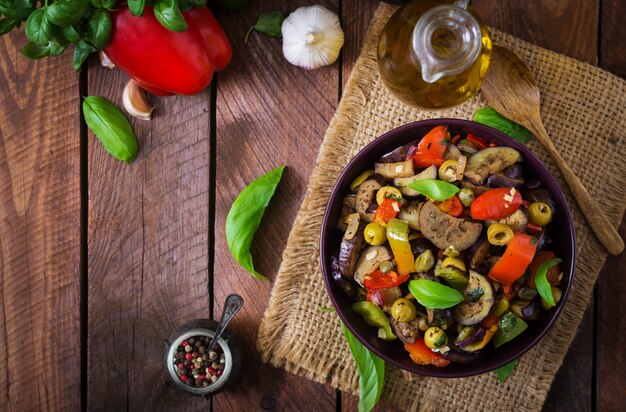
(454, 262)
(500, 306)
(539, 213)
(360, 179)
(425, 261)
(447, 171)
(375, 234)
(499, 234)
(466, 196)
(386, 266)
(387, 192)
(556, 294)
(403, 310)
(435, 337)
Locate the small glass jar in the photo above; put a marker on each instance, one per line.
(228, 344)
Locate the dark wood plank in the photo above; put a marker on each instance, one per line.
(148, 250)
(356, 16)
(611, 311)
(39, 231)
(269, 113)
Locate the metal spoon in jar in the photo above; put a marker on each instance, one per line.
(511, 89)
(233, 303)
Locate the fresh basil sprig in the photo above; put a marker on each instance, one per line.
(541, 280)
(503, 372)
(269, 23)
(111, 127)
(434, 295)
(490, 117)
(245, 216)
(169, 15)
(371, 370)
(435, 189)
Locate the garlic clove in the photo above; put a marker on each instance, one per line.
(105, 61)
(312, 37)
(135, 101)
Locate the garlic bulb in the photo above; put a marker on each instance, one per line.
(312, 37)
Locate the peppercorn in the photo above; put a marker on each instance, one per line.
(197, 365)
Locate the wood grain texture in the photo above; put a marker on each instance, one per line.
(39, 231)
(612, 36)
(148, 250)
(269, 113)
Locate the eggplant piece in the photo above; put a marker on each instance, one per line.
(397, 155)
(532, 184)
(452, 152)
(385, 297)
(406, 331)
(347, 208)
(369, 261)
(527, 310)
(468, 312)
(527, 293)
(402, 183)
(444, 230)
(421, 245)
(440, 317)
(479, 252)
(471, 335)
(489, 161)
(517, 221)
(411, 215)
(500, 180)
(514, 171)
(365, 196)
(540, 195)
(477, 189)
(345, 284)
(544, 239)
(459, 356)
(349, 251)
(396, 169)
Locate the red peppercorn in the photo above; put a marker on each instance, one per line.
(185, 343)
(180, 366)
(211, 371)
(202, 377)
(183, 378)
(188, 356)
(219, 372)
(192, 367)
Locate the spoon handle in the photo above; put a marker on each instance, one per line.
(233, 303)
(600, 224)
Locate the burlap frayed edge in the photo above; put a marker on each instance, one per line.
(275, 346)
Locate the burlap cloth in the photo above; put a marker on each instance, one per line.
(583, 111)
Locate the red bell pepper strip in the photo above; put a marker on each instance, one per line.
(387, 211)
(431, 148)
(490, 321)
(553, 272)
(452, 206)
(422, 355)
(382, 280)
(164, 62)
(496, 204)
(476, 141)
(516, 258)
(533, 229)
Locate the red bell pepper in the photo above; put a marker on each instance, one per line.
(422, 355)
(452, 206)
(477, 141)
(386, 211)
(496, 204)
(164, 62)
(430, 149)
(383, 280)
(516, 258)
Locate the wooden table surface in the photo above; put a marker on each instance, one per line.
(100, 260)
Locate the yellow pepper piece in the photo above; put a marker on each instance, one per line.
(480, 345)
(398, 237)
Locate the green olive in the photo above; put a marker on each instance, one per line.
(435, 337)
(387, 192)
(375, 234)
(454, 262)
(360, 179)
(499, 234)
(403, 310)
(425, 261)
(447, 171)
(466, 196)
(539, 213)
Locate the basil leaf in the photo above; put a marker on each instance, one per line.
(66, 12)
(541, 280)
(245, 216)
(57, 45)
(185, 5)
(434, 295)
(82, 50)
(503, 372)
(490, 117)
(17, 10)
(435, 189)
(269, 24)
(70, 34)
(111, 127)
(38, 29)
(371, 370)
(35, 51)
(99, 28)
(136, 7)
(199, 3)
(169, 15)
(6, 25)
(103, 4)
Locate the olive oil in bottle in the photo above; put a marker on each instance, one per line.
(434, 53)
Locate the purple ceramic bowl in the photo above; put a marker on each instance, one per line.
(562, 233)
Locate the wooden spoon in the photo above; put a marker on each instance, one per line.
(512, 90)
